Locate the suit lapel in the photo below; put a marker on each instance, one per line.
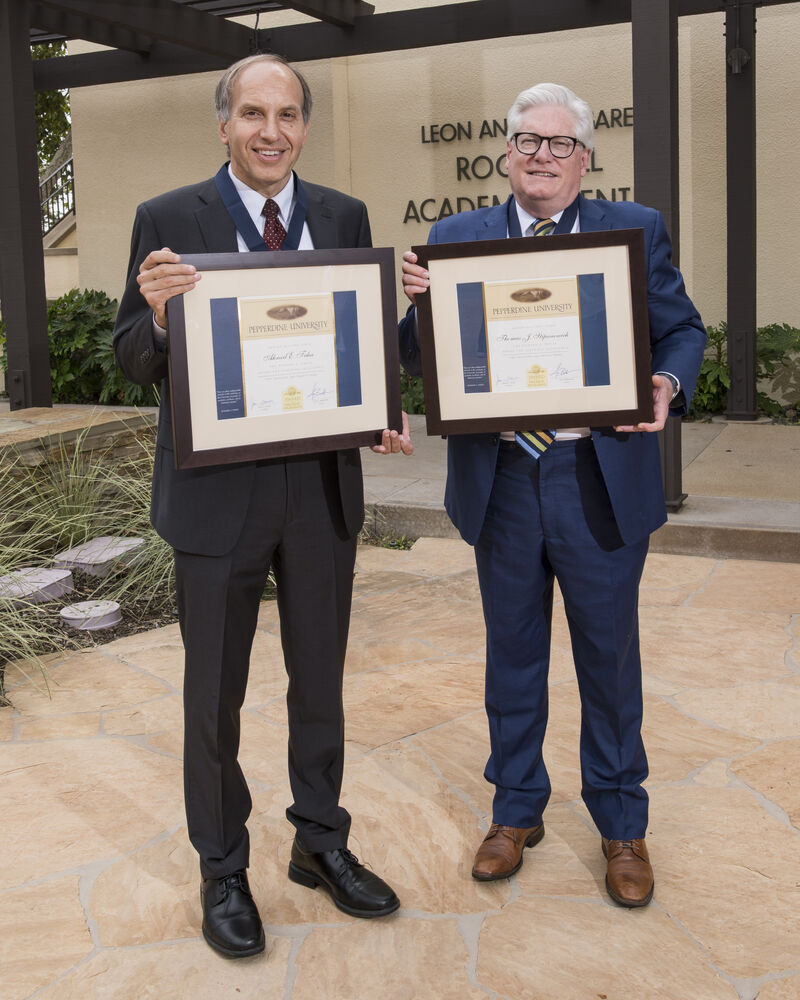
(321, 221)
(591, 216)
(216, 226)
(494, 225)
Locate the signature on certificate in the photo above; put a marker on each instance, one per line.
(319, 393)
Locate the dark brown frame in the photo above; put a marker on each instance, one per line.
(633, 240)
(186, 456)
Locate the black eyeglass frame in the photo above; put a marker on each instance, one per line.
(548, 139)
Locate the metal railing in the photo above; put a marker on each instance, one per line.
(57, 196)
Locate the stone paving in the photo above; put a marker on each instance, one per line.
(99, 886)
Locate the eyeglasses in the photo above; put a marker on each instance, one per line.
(561, 146)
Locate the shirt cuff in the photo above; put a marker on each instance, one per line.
(676, 385)
(159, 336)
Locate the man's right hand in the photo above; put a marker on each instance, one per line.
(161, 275)
(416, 279)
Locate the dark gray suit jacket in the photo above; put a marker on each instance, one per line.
(203, 510)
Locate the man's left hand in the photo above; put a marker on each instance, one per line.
(392, 442)
(662, 397)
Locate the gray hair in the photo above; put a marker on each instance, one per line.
(224, 93)
(553, 95)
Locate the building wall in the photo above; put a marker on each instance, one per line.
(60, 271)
(379, 130)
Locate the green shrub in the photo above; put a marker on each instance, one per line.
(83, 369)
(777, 360)
(412, 395)
(714, 379)
(75, 324)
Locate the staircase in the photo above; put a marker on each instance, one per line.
(57, 196)
(59, 229)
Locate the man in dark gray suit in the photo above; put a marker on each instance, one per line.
(229, 524)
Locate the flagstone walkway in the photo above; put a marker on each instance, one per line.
(99, 886)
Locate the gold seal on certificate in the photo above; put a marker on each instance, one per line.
(536, 377)
(292, 399)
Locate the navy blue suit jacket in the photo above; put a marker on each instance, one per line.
(630, 463)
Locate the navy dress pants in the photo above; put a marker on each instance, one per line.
(294, 524)
(548, 519)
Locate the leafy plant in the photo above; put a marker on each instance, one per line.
(115, 387)
(75, 322)
(777, 360)
(714, 379)
(412, 395)
(396, 542)
(83, 369)
(53, 121)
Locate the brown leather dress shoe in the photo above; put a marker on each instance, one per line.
(500, 854)
(629, 879)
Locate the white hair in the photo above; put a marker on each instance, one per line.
(553, 95)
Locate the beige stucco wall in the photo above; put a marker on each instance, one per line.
(135, 140)
(60, 271)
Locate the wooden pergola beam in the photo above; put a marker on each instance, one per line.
(341, 12)
(162, 21)
(21, 260)
(393, 31)
(72, 24)
(654, 37)
(740, 132)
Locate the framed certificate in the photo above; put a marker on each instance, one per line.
(283, 353)
(520, 334)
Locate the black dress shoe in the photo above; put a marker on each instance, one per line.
(231, 924)
(353, 888)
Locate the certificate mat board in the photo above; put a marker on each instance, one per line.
(535, 333)
(283, 353)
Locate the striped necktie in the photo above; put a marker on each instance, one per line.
(536, 443)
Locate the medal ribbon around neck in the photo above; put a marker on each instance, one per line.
(244, 223)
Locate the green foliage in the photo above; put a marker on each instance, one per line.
(116, 389)
(53, 121)
(396, 542)
(413, 398)
(714, 379)
(777, 360)
(83, 369)
(76, 323)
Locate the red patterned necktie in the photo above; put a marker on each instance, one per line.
(274, 233)
(536, 443)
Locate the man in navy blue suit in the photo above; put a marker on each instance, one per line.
(580, 511)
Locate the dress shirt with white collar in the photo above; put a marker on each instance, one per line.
(526, 221)
(254, 203)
